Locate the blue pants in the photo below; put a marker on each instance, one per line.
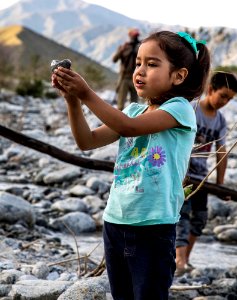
(140, 260)
(193, 218)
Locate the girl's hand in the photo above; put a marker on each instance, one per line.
(55, 84)
(70, 83)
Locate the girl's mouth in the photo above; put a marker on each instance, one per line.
(139, 83)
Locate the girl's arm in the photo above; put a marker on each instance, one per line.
(85, 137)
(221, 168)
(149, 122)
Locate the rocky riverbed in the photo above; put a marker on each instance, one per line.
(51, 214)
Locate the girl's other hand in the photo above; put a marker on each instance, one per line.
(54, 82)
(71, 83)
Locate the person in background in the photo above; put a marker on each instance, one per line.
(126, 54)
(211, 129)
(155, 143)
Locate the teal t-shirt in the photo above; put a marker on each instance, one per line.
(149, 170)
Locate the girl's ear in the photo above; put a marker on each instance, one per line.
(180, 75)
(209, 89)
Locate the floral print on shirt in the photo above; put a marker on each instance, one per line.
(139, 161)
(157, 156)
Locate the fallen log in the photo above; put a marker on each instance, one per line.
(221, 191)
(55, 152)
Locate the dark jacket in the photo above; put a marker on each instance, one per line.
(127, 53)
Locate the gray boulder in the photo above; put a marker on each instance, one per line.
(14, 209)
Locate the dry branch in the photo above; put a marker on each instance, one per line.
(188, 287)
(55, 152)
(221, 191)
(103, 165)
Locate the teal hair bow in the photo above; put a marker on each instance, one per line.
(191, 40)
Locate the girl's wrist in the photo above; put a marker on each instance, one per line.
(87, 94)
(72, 100)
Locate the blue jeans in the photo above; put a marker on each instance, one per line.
(140, 260)
(193, 218)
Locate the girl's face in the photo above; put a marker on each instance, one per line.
(152, 77)
(220, 97)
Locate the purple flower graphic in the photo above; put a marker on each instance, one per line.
(157, 156)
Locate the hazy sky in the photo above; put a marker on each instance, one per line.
(182, 12)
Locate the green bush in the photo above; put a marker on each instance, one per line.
(51, 94)
(94, 76)
(231, 69)
(32, 88)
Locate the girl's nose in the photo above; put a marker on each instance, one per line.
(141, 72)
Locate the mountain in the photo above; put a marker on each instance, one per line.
(89, 29)
(26, 49)
(96, 31)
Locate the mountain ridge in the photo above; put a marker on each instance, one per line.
(97, 32)
(26, 49)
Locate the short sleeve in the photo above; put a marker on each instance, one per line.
(222, 132)
(180, 109)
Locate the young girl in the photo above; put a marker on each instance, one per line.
(155, 143)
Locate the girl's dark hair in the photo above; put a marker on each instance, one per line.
(181, 55)
(223, 79)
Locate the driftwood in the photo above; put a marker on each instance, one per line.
(55, 152)
(188, 287)
(222, 191)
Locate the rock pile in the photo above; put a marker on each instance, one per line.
(47, 205)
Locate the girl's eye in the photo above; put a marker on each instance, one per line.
(152, 64)
(223, 97)
(138, 64)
